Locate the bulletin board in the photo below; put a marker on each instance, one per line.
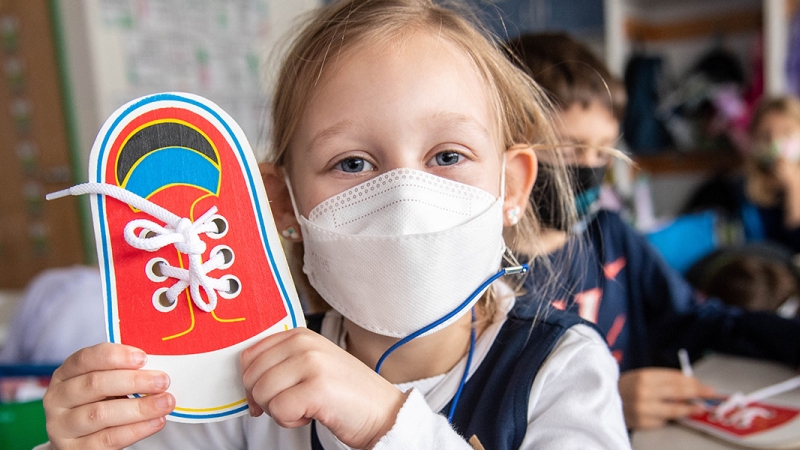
(34, 151)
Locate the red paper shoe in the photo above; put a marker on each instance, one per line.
(192, 266)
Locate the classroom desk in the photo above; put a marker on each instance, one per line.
(727, 374)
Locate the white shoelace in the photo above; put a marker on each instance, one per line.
(737, 410)
(179, 231)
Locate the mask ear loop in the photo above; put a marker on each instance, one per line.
(503, 178)
(291, 197)
(506, 250)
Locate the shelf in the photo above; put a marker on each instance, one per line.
(675, 162)
(730, 23)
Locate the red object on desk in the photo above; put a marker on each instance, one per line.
(778, 416)
(773, 427)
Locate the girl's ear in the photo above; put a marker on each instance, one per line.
(521, 168)
(280, 202)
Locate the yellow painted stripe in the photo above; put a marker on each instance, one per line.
(217, 408)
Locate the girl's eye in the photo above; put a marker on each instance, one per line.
(353, 165)
(447, 158)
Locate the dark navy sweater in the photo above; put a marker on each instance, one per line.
(646, 309)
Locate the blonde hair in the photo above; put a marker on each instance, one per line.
(762, 188)
(522, 111)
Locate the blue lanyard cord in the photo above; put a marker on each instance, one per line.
(466, 371)
(505, 271)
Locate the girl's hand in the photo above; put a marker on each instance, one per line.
(297, 375)
(83, 403)
(653, 396)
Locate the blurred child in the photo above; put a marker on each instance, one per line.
(757, 277)
(646, 309)
(772, 170)
(405, 101)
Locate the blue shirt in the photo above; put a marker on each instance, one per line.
(646, 310)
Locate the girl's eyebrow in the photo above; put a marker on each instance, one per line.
(450, 118)
(331, 131)
(446, 118)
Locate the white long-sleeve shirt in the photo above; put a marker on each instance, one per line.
(573, 404)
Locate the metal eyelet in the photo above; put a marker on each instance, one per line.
(222, 227)
(235, 287)
(147, 234)
(161, 302)
(226, 252)
(153, 270)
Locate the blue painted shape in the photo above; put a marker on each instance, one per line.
(172, 165)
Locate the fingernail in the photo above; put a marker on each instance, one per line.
(253, 411)
(156, 423)
(139, 358)
(164, 402)
(161, 381)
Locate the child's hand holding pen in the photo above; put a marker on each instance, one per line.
(653, 396)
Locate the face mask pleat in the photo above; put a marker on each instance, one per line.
(401, 202)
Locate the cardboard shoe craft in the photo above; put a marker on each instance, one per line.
(196, 292)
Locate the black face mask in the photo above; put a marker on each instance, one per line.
(586, 188)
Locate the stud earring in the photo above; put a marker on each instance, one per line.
(290, 233)
(513, 215)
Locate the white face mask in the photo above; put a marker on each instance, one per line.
(402, 250)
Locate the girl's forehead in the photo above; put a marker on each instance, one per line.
(409, 53)
(411, 82)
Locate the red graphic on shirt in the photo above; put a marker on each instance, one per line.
(613, 268)
(589, 304)
(560, 305)
(616, 328)
(770, 417)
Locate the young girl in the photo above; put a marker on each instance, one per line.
(773, 172)
(402, 155)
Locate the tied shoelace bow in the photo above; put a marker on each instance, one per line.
(179, 231)
(738, 410)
